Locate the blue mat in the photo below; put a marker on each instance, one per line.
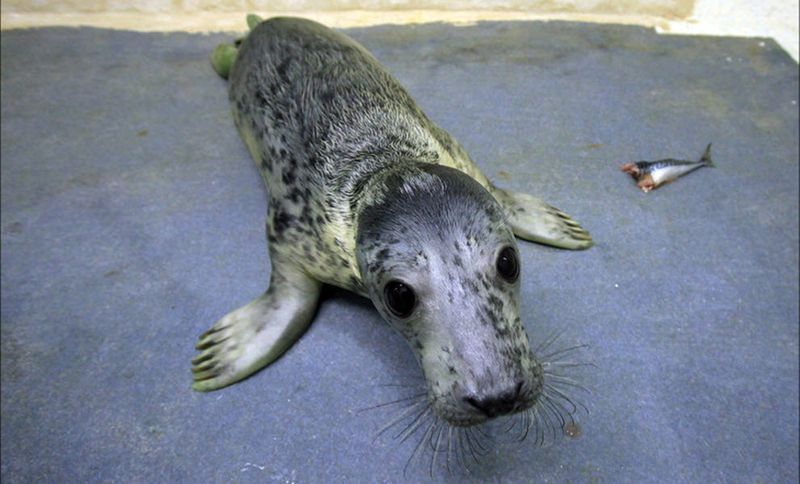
(132, 218)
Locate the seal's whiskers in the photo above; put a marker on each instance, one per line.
(440, 444)
(557, 406)
(519, 421)
(449, 446)
(409, 430)
(553, 392)
(425, 437)
(453, 447)
(417, 401)
(548, 341)
(563, 351)
(393, 402)
(436, 447)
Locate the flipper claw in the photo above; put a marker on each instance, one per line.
(204, 366)
(255, 335)
(205, 355)
(207, 342)
(203, 376)
(534, 220)
(214, 329)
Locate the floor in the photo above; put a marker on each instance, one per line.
(132, 218)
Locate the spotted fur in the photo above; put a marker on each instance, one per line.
(364, 188)
(440, 232)
(320, 116)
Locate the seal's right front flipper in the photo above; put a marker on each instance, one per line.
(532, 219)
(256, 334)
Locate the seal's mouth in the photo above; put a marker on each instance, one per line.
(461, 410)
(461, 437)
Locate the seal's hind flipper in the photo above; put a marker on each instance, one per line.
(253, 20)
(224, 54)
(532, 219)
(222, 59)
(256, 334)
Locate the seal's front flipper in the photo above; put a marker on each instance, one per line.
(532, 219)
(256, 334)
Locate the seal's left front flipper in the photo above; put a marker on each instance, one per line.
(532, 219)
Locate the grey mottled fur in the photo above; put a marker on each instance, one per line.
(364, 188)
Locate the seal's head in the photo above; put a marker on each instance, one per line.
(441, 265)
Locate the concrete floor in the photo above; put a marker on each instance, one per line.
(132, 218)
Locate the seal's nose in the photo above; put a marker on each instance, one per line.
(496, 404)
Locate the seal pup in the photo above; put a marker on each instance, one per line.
(366, 193)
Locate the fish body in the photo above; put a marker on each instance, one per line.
(650, 175)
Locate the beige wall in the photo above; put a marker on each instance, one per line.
(662, 8)
(750, 18)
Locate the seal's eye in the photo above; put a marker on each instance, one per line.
(507, 265)
(400, 298)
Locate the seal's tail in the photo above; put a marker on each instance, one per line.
(225, 54)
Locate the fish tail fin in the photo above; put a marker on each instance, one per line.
(707, 157)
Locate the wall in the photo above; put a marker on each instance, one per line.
(753, 18)
(662, 8)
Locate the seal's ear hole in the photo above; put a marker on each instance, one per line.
(400, 298)
(507, 265)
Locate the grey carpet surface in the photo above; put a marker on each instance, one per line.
(132, 219)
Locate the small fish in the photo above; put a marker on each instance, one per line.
(650, 175)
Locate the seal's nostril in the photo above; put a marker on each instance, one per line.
(485, 405)
(497, 404)
(474, 402)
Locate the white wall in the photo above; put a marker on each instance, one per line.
(760, 18)
(664, 8)
(747, 18)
